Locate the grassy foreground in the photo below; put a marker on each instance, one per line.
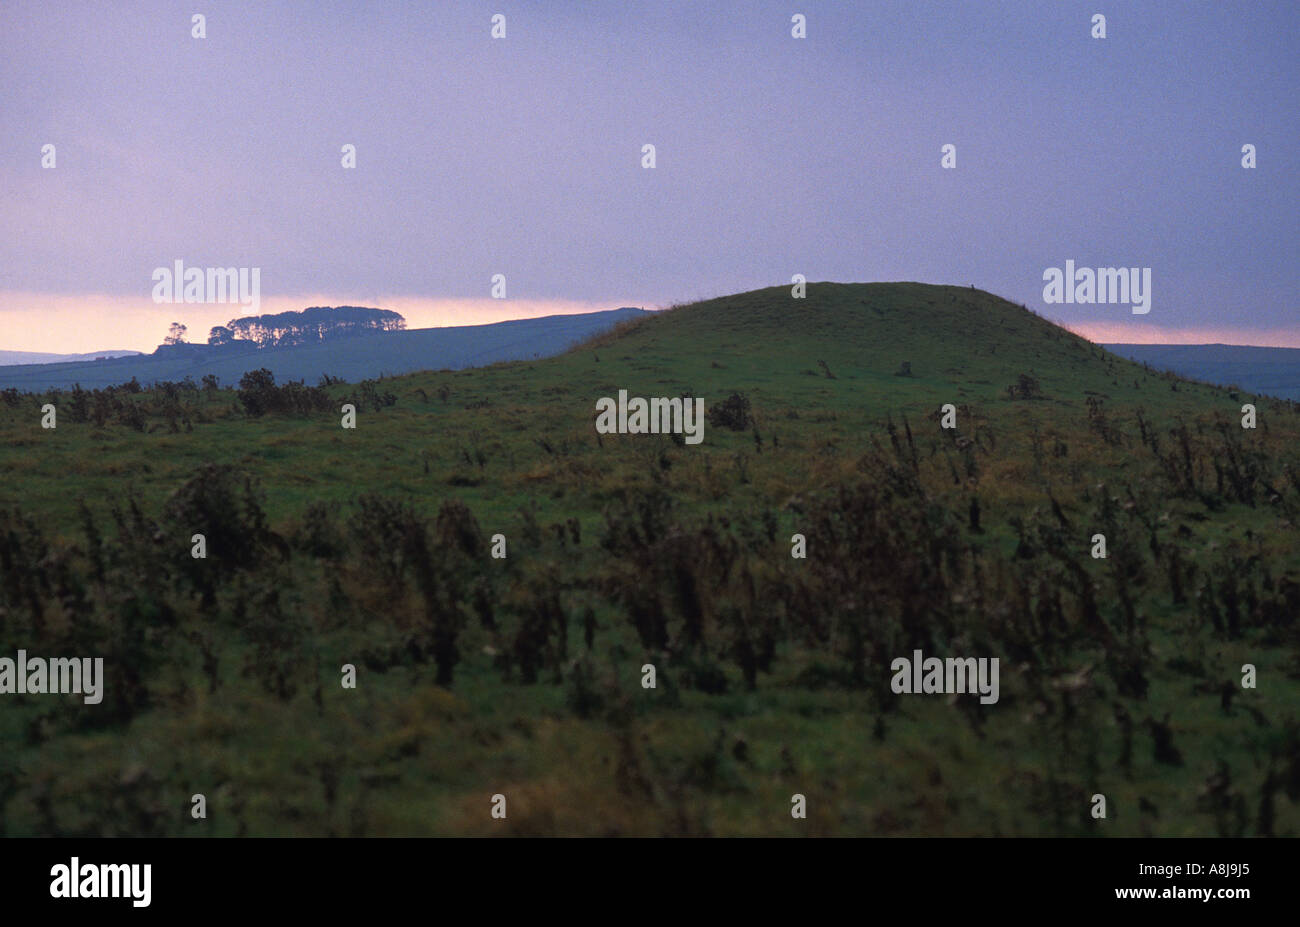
(521, 676)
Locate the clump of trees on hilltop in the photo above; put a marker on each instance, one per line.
(308, 326)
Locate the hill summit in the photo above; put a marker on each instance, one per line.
(882, 342)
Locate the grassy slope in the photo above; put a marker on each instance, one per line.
(408, 757)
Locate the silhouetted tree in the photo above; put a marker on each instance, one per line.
(311, 326)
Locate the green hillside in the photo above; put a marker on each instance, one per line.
(522, 676)
(964, 346)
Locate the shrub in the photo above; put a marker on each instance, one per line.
(1025, 387)
(259, 395)
(732, 413)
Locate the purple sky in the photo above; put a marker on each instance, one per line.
(521, 156)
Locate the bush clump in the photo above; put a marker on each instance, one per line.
(732, 413)
(259, 395)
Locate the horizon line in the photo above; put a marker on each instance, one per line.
(84, 323)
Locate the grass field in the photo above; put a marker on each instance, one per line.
(522, 676)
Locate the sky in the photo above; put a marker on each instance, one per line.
(522, 156)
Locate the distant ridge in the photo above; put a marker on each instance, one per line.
(353, 359)
(10, 358)
(1268, 371)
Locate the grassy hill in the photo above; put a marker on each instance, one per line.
(522, 676)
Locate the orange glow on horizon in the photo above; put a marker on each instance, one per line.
(1143, 333)
(78, 324)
